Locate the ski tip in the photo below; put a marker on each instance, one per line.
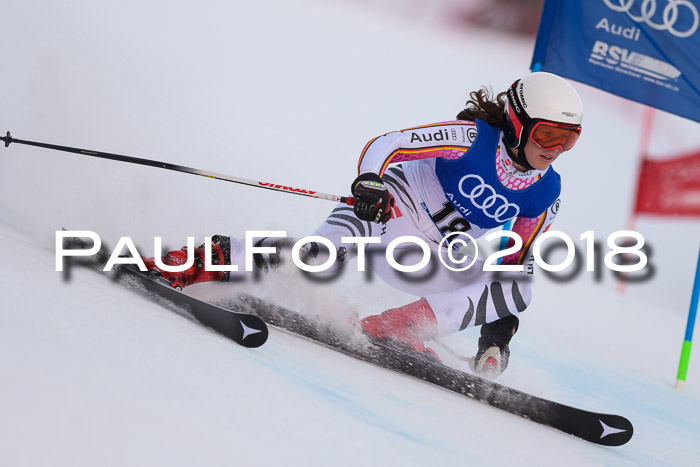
(613, 430)
(253, 330)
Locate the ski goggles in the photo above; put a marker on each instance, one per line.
(552, 135)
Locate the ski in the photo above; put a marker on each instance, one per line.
(598, 428)
(243, 328)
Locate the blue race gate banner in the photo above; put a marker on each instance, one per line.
(644, 50)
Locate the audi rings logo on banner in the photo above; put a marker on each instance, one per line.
(670, 14)
(484, 197)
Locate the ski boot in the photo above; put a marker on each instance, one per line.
(410, 324)
(492, 357)
(221, 255)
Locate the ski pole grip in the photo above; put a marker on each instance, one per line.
(350, 201)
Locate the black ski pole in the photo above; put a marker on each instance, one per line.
(180, 168)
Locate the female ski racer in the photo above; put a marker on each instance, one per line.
(490, 166)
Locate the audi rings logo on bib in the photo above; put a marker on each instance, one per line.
(484, 197)
(679, 17)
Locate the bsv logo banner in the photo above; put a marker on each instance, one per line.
(644, 50)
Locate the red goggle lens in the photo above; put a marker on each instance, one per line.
(551, 135)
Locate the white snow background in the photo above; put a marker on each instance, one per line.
(289, 92)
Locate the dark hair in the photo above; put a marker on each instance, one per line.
(482, 105)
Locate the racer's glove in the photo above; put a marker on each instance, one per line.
(373, 202)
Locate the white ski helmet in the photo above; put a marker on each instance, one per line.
(539, 96)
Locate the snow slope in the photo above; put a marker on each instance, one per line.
(289, 92)
(98, 375)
